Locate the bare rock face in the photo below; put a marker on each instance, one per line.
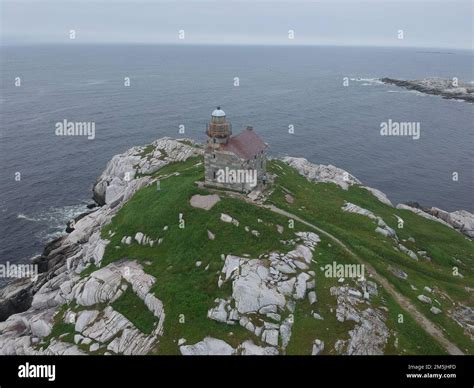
(461, 220)
(437, 86)
(111, 186)
(15, 297)
(103, 286)
(40, 324)
(106, 326)
(208, 347)
(382, 197)
(98, 328)
(248, 348)
(267, 289)
(251, 291)
(318, 347)
(63, 349)
(370, 334)
(84, 319)
(464, 316)
(322, 173)
(64, 258)
(220, 313)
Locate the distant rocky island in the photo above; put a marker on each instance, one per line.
(165, 265)
(447, 88)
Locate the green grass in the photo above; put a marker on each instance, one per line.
(135, 310)
(88, 270)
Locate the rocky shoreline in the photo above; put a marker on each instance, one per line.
(27, 307)
(445, 88)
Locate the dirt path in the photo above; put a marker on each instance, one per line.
(404, 302)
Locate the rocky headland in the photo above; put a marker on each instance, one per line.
(73, 306)
(447, 88)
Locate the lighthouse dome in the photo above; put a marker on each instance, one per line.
(218, 112)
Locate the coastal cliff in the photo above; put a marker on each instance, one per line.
(187, 270)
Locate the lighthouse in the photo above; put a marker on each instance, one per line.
(219, 129)
(233, 162)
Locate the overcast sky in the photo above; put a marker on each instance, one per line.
(440, 24)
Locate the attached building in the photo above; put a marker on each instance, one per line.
(233, 162)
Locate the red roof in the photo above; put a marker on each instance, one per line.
(245, 145)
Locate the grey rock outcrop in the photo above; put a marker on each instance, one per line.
(268, 291)
(318, 347)
(331, 174)
(464, 317)
(64, 258)
(370, 334)
(208, 347)
(322, 173)
(437, 86)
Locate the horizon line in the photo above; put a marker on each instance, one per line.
(61, 43)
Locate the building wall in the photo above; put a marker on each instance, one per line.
(233, 162)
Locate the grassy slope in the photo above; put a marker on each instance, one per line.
(188, 291)
(320, 204)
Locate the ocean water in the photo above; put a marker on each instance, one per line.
(181, 85)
